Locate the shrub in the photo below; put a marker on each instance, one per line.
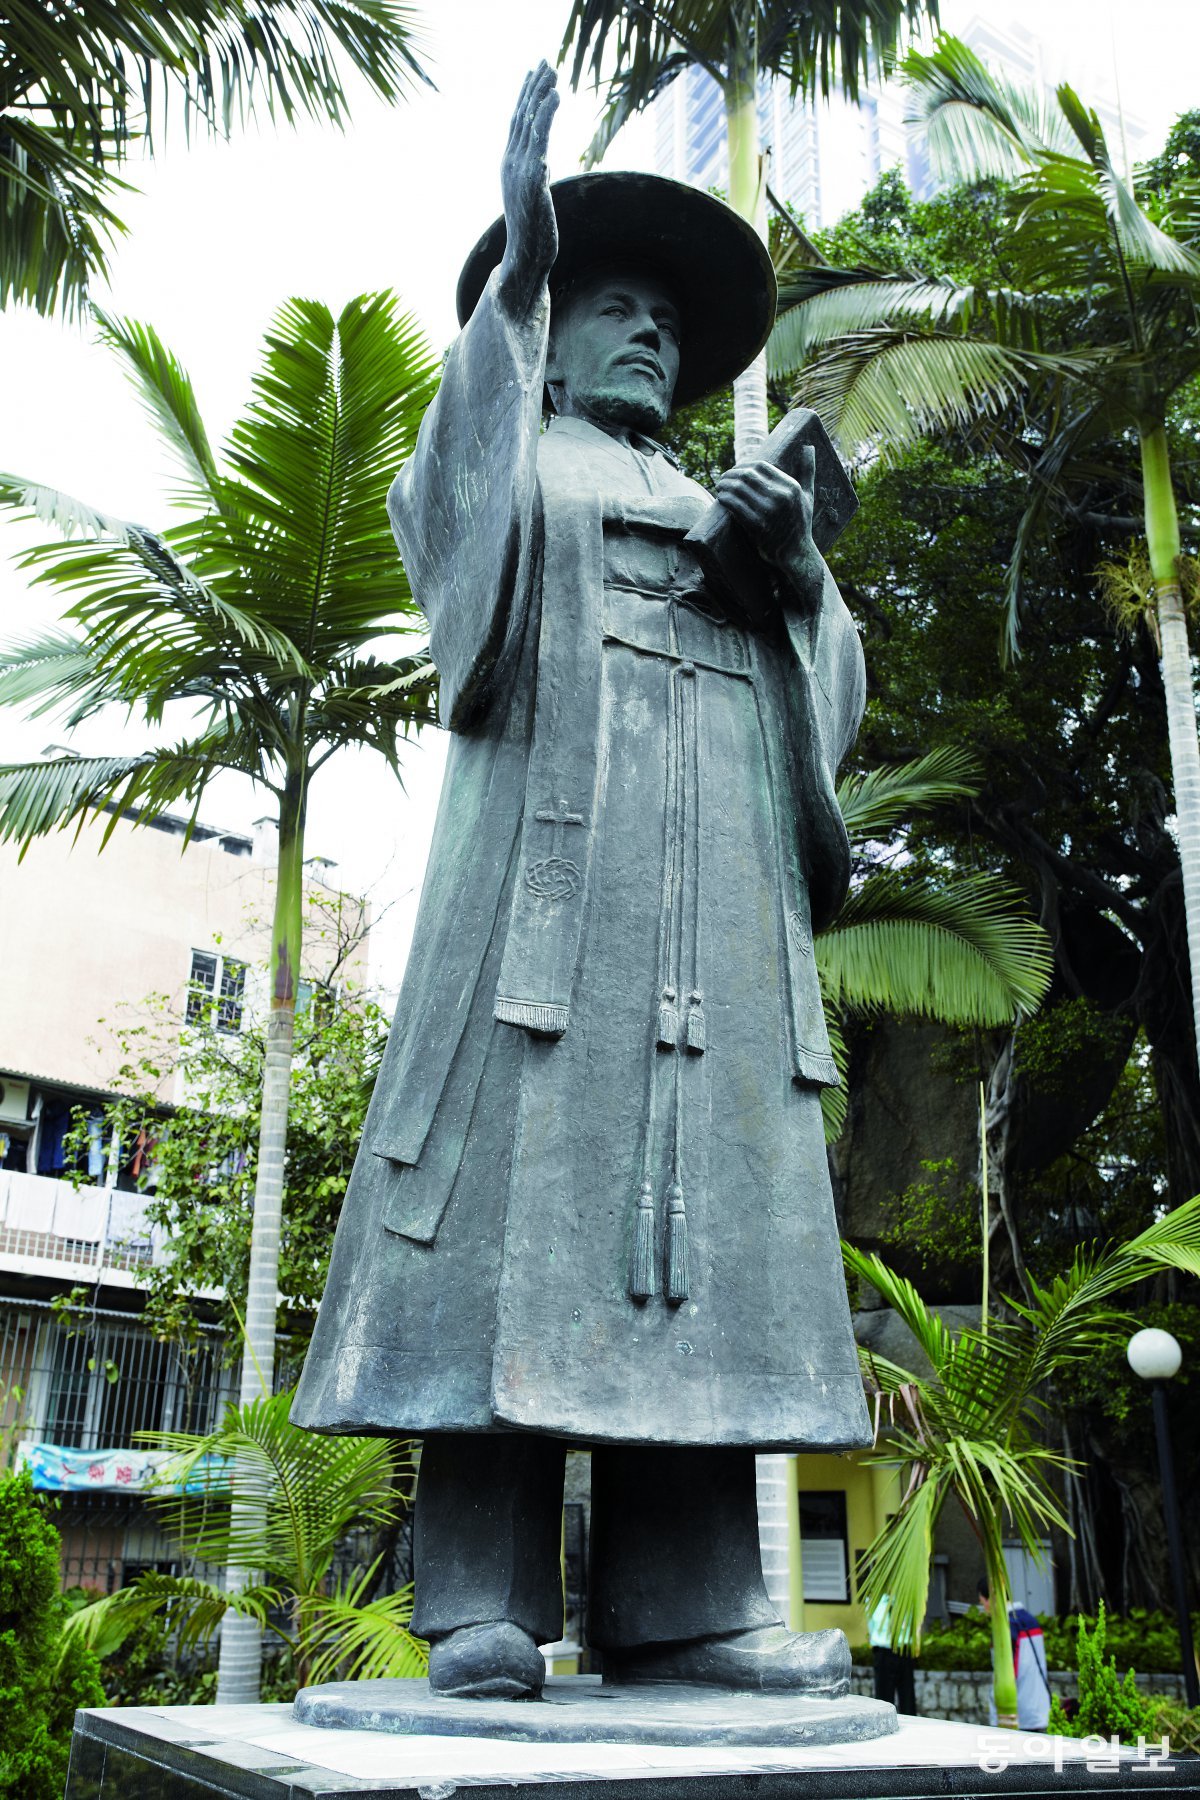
(1144, 1640)
(43, 1678)
(1108, 1706)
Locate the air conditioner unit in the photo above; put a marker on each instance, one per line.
(14, 1101)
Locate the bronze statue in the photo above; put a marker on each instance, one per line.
(592, 1203)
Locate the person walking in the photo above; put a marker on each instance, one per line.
(1029, 1662)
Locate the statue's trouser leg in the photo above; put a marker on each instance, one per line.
(674, 1552)
(487, 1533)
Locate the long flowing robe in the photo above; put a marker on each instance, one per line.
(592, 1197)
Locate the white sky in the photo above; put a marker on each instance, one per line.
(221, 234)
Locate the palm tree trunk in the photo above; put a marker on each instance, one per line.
(1004, 1675)
(775, 1474)
(1162, 536)
(240, 1666)
(747, 198)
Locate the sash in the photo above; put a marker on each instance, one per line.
(541, 946)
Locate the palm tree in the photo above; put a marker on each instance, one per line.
(811, 46)
(969, 1427)
(304, 1494)
(257, 612)
(964, 952)
(80, 84)
(1096, 336)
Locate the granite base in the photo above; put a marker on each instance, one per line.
(262, 1753)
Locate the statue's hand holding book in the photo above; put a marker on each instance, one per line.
(777, 514)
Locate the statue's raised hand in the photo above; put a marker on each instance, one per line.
(528, 211)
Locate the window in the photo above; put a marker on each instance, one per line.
(233, 993)
(824, 1546)
(219, 979)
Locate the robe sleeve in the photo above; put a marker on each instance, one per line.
(462, 507)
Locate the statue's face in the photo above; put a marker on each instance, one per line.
(614, 351)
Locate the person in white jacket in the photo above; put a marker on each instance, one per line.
(1029, 1662)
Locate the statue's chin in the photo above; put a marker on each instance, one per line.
(630, 410)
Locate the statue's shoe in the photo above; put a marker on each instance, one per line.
(770, 1659)
(496, 1661)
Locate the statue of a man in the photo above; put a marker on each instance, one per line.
(592, 1204)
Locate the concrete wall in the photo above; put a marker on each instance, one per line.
(86, 937)
(964, 1694)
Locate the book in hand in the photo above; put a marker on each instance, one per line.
(722, 548)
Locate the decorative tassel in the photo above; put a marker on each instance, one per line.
(668, 1020)
(641, 1274)
(675, 1273)
(695, 1021)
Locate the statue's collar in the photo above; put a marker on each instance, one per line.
(571, 426)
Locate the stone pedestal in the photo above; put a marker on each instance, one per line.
(262, 1753)
(581, 1709)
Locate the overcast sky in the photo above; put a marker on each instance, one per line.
(220, 234)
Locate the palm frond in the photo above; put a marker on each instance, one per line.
(195, 1609)
(335, 411)
(631, 53)
(967, 953)
(977, 122)
(166, 391)
(59, 223)
(899, 1293)
(354, 1639)
(1070, 1315)
(893, 385)
(51, 671)
(140, 604)
(106, 77)
(820, 306)
(897, 1562)
(296, 1496)
(39, 797)
(834, 1100)
(878, 801)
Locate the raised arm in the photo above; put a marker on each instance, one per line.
(462, 508)
(532, 241)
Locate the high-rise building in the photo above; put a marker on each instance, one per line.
(825, 155)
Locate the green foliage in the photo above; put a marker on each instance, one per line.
(82, 85)
(43, 1677)
(1178, 1723)
(1147, 1640)
(1108, 1706)
(298, 1494)
(973, 1427)
(1048, 1044)
(203, 1154)
(935, 1221)
(1080, 321)
(261, 609)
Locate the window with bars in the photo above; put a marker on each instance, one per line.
(216, 991)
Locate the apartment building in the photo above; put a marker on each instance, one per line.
(88, 937)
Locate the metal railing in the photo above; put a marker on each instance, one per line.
(78, 1231)
(90, 1380)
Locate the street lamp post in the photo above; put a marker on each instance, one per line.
(1155, 1356)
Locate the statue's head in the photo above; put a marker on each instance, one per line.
(614, 348)
(677, 256)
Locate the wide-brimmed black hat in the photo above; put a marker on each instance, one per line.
(713, 262)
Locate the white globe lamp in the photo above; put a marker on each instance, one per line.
(1153, 1354)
